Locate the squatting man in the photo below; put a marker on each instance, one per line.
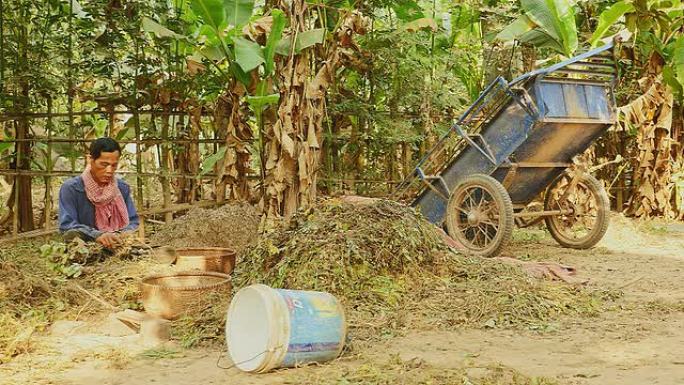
(97, 206)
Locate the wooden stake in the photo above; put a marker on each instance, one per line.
(48, 167)
(166, 188)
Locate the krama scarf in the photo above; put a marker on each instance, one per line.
(111, 213)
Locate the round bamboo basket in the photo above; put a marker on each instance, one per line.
(217, 259)
(171, 295)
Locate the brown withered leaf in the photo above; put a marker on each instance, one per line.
(303, 174)
(311, 139)
(287, 144)
(258, 29)
(194, 67)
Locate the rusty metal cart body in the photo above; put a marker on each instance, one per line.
(517, 140)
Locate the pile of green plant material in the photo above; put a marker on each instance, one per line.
(392, 269)
(45, 280)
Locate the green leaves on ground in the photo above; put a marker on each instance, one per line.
(67, 260)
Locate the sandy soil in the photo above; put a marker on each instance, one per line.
(639, 341)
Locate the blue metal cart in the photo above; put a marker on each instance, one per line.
(516, 141)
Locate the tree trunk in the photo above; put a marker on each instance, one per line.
(229, 117)
(653, 166)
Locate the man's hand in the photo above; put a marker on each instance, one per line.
(109, 240)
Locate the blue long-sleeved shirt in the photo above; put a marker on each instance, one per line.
(78, 213)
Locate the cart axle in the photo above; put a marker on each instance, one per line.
(545, 213)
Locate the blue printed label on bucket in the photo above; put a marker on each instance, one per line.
(316, 327)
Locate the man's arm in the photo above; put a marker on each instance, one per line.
(68, 214)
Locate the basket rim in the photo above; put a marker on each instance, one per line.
(226, 280)
(227, 250)
(217, 256)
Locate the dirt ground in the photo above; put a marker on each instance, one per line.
(638, 341)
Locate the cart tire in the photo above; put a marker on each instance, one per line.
(480, 215)
(590, 203)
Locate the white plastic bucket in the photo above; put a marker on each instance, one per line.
(275, 328)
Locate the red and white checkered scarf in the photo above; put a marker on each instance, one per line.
(111, 213)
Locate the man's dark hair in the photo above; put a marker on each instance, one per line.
(100, 145)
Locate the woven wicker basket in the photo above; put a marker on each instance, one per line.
(171, 295)
(206, 259)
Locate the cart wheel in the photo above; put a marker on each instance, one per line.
(480, 215)
(590, 207)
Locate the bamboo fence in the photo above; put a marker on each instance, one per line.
(160, 170)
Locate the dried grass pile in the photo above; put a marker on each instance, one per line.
(393, 270)
(35, 289)
(30, 293)
(232, 225)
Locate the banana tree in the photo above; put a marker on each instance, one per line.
(544, 24)
(657, 74)
(214, 39)
(228, 42)
(293, 141)
(467, 37)
(656, 27)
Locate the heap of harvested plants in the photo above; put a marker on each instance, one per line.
(393, 270)
(232, 225)
(42, 281)
(70, 259)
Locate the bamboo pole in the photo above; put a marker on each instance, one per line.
(48, 167)
(70, 85)
(179, 207)
(28, 235)
(110, 123)
(161, 210)
(138, 166)
(136, 125)
(38, 115)
(15, 213)
(2, 47)
(43, 115)
(620, 196)
(34, 173)
(166, 188)
(15, 186)
(149, 141)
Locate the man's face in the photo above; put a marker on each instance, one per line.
(104, 167)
